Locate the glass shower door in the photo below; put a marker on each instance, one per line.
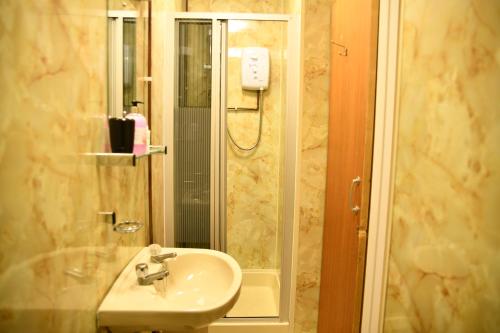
(192, 135)
(255, 177)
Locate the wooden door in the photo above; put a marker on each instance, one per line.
(352, 100)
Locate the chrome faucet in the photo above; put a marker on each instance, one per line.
(160, 258)
(144, 279)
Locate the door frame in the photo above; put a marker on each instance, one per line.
(384, 147)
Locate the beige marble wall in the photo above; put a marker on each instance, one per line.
(236, 6)
(444, 273)
(57, 260)
(254, 178)
(294, 7)
(314, 132)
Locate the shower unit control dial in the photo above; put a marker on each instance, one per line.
(255, 68)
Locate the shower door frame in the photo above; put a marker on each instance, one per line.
(291, 139)
(215, 103)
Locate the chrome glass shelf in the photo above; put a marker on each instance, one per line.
(119, 159)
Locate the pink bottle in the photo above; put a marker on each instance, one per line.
(141, 131)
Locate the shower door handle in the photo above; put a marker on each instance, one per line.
(354, 208)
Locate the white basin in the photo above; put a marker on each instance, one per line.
(203, 285)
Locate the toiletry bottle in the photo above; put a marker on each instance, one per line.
(121, 134)
(141, 129)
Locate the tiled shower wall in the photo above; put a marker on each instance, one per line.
(57, 259)
(315, 78)
(254, 207)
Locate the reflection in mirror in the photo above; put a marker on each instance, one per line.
(121, 61)
(129, 61)
(128, 37)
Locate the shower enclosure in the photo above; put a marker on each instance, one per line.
(218, 195)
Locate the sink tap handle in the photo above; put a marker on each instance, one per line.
(161, 257)
(141, 270)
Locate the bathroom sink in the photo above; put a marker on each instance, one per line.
(202, 286)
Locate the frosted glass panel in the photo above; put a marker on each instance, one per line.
(192, 134)
(129, 62)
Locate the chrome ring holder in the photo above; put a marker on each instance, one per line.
(128, 227)
(125, 227)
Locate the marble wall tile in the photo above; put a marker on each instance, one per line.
(314, 126)
(444, 273)
(123, 4)
(254, 178)
(236, 6)
(57, 259)
(294, 7)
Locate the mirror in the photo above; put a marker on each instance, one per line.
(127, 56)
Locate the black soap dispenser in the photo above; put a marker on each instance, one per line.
(121, 134)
